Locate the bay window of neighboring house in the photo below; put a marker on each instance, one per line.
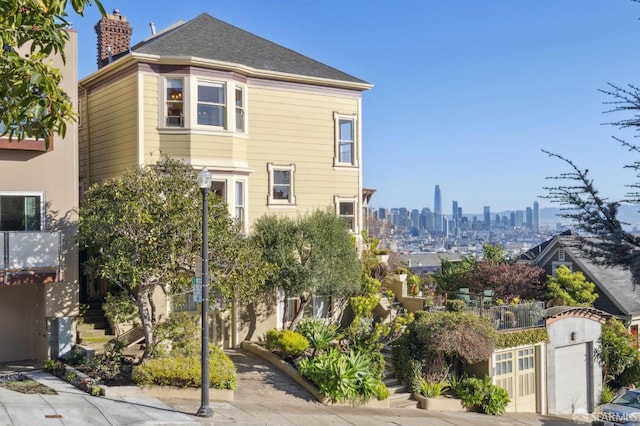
(281, 185)
(175, 102)
(346, 209)
(21, 211)
(346, 147)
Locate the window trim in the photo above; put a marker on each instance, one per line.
(242, 205)
(224, 105)
(354, 201)
(337, 117)
(164, 113)
(291, 201)
(43, 224)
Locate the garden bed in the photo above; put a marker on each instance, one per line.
(441, 403)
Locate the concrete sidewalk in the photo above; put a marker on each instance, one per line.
(265, 396)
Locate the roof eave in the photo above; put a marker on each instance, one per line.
(251, 72)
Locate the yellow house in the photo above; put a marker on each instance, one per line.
(280, 132)
(38, 225)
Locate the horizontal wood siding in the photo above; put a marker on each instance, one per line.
(150, 122)
(113, 115)
(289, 127)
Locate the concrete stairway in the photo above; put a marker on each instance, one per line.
(399, 396)
(93, 328)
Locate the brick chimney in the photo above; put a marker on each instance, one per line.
(114, 37)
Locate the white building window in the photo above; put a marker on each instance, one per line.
(211, 104)
(239, 109)
(21, 211)
(239, 205)
(561, 255)
(281, 184)
(347, 209)
(174, 102)
(346, 140)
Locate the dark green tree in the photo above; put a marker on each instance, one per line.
(315, 254)
(33, 103)
(142, 232)
(601, 235)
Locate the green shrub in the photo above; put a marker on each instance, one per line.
(319, 335)
(183, 371)
(287, 343)
(381, 391)
(433, 390)
(481, 393)
(607, 394)
(455, 305)
(342, 376)
(179, 335)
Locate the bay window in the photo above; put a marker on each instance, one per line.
(175, 105)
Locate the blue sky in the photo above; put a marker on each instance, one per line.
(466, 93)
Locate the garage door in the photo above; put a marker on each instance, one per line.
(515, 371)
(572, 372)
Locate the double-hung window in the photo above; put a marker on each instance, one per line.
(211, 104)
(346, 209)
(175, 102)
(20, 212)
(239, 109)
(281, 184)
(240, 210)
(345, 131)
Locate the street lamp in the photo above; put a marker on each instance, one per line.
(204, 182)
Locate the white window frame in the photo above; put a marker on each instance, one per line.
(337, 118)
(224, 105)
(165, 102)
(30, 194)
(351, 200)
(561, 255)
(240, 204)
(190, 84)
(240, 109)
(291, 201)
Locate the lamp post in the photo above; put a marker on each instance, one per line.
(204, 182)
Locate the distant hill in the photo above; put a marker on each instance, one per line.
(628, 213)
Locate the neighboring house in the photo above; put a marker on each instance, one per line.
(280, 132)
(614, 285)
(428, 262)
(38, 225)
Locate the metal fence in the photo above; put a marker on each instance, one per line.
(522, 315)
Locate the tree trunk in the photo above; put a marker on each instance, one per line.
(304, 302)
(146, 317)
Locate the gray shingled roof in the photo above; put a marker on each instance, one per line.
(615, 282)
(209, 38)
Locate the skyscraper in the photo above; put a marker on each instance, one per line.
(487, 217)
(437, 201)
(536, 217)
(437, 210)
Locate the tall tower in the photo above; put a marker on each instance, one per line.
(437, 201)
(437, 210)
(487, 217)
(536, 217)
(455, 222)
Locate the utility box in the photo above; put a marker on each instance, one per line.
(61, 336)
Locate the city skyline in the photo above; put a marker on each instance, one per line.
(466, 94)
